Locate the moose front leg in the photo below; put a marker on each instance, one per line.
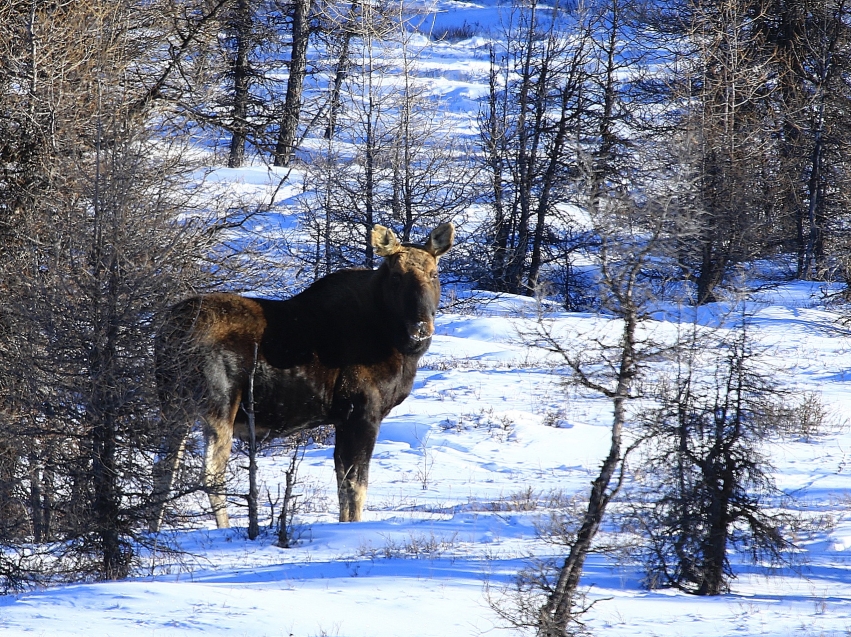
(352, 453)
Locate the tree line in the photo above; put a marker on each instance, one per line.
(730, 112)
(735, 107)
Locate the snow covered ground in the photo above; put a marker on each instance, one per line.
(462, 471)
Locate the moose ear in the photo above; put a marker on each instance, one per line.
(384, 242)
(440, 239)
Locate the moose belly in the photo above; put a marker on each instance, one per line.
(285, 401)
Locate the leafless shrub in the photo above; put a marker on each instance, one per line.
(499, 426)
(527, 500)
(415, 546)
(456, 33)
(706, 479)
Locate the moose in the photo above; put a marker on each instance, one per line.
(343, 352)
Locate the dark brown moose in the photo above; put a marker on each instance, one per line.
(342, 352)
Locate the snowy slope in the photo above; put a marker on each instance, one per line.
(462, 470)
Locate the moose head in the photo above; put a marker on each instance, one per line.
(410, 283)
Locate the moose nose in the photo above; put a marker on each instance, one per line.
(422, 330)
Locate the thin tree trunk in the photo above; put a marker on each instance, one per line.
(525, 156)
(715, 547)
(712, 267)
(557, 613)
(328, 243)
(554, 161)
(102, 410)
(106, 497)
(719, 485)
(253, 493)
(295, 84)
(339, 77)
(602, 168)
(407, 211)
(369, 159)
(570, 88)
(36, 491)
(814, 194)
(288, 508)
(495, 143)
(241, 77)
(102, 407)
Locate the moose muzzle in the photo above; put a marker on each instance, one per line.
(421, 330)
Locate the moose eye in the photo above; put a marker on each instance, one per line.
(434, 274)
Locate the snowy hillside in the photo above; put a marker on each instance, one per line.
(488, 443)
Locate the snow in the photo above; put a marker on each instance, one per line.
(459, 476)
(461, 472)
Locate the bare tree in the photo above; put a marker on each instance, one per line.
(432, 176)
(253, 492)
(760, 131)
(549, 130)
(241, 22)
(343, 25)
(812, 49)
(94, 251)
(706, 475)
(291, 501)
(528, 126)
(390, 159)
(550, 601)
(725, 79)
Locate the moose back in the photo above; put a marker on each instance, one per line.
(342, 352)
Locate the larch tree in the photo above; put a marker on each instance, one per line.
(96, 242)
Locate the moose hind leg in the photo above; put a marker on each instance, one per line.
(219, 436)
(165, 469)
(352, 453)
